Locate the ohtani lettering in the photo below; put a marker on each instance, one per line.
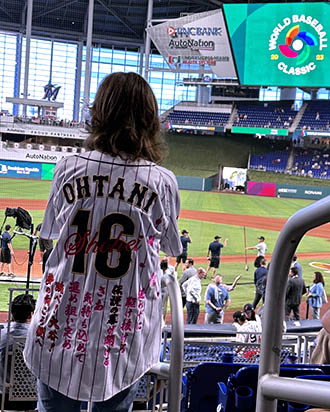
(82, 188)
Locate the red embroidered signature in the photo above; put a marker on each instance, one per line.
(76, 243)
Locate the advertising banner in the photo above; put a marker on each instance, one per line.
(47, 131)
(302, 192)
(20, 169)
(260, 130)
(311, 133)
(32, 155)
(234, 177)
(283, 44)
(195, 41)
(26, 170)
(261, 189)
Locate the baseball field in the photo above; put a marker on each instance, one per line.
(204, 215)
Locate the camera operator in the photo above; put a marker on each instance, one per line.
(7, 252)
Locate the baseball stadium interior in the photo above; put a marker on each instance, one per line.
(243, 91)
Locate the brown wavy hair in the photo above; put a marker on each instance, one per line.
(125, 119)
(318, 278)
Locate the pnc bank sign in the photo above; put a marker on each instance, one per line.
(193, 31)
(297, 44)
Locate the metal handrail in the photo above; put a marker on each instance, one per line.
(174, 371)
(270, 386)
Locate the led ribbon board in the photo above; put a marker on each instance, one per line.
(284, 44)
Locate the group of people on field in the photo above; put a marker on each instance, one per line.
(217, 298)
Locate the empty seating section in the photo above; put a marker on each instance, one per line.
(198, 118)
(314, 163)
(247, 353)
(316, 116)
(280, 117)
(270, 162)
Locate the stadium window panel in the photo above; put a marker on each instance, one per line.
(132, 58)
(116, 68)
(104, 68)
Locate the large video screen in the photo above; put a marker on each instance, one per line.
(283, 44)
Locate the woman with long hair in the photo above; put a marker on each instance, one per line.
(315, 294)
(97, 325)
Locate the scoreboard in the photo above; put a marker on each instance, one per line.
(280, 44)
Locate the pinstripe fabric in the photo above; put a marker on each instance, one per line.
(97, 324)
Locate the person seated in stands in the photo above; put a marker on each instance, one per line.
(251, 328)
(321, 353)
(250, 314)
(22, 309)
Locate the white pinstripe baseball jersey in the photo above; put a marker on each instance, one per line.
(97, 325)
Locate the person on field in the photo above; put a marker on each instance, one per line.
(188, 272)
(97, 327)
(294, 291)
(260, 275)
(185, 239)
(193, 290)
(315, 295)
(45, 245)
(215, 250)
(297, 265)
(217, 301)
(7, 252)
(261, 250)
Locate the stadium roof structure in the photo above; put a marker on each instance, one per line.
(116, 22)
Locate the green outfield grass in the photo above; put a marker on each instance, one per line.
(241, 204)
(202, 233)
(244, 293)
(24, 189)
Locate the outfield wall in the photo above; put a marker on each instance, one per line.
(194, 183)
(287, 190)
(45, 171)
(26, 170)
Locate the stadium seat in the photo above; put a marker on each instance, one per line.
(248, 377)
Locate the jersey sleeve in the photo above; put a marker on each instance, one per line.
(170, 242)
(50, 228)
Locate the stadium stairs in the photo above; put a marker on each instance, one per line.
(297, 119)
(232, 118)
(290, 161)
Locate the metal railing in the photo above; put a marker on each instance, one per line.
(173, 371)
(270, 386)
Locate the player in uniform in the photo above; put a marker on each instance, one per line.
(261, 250)
(215, 251)
(97, 324)
(185, 239)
